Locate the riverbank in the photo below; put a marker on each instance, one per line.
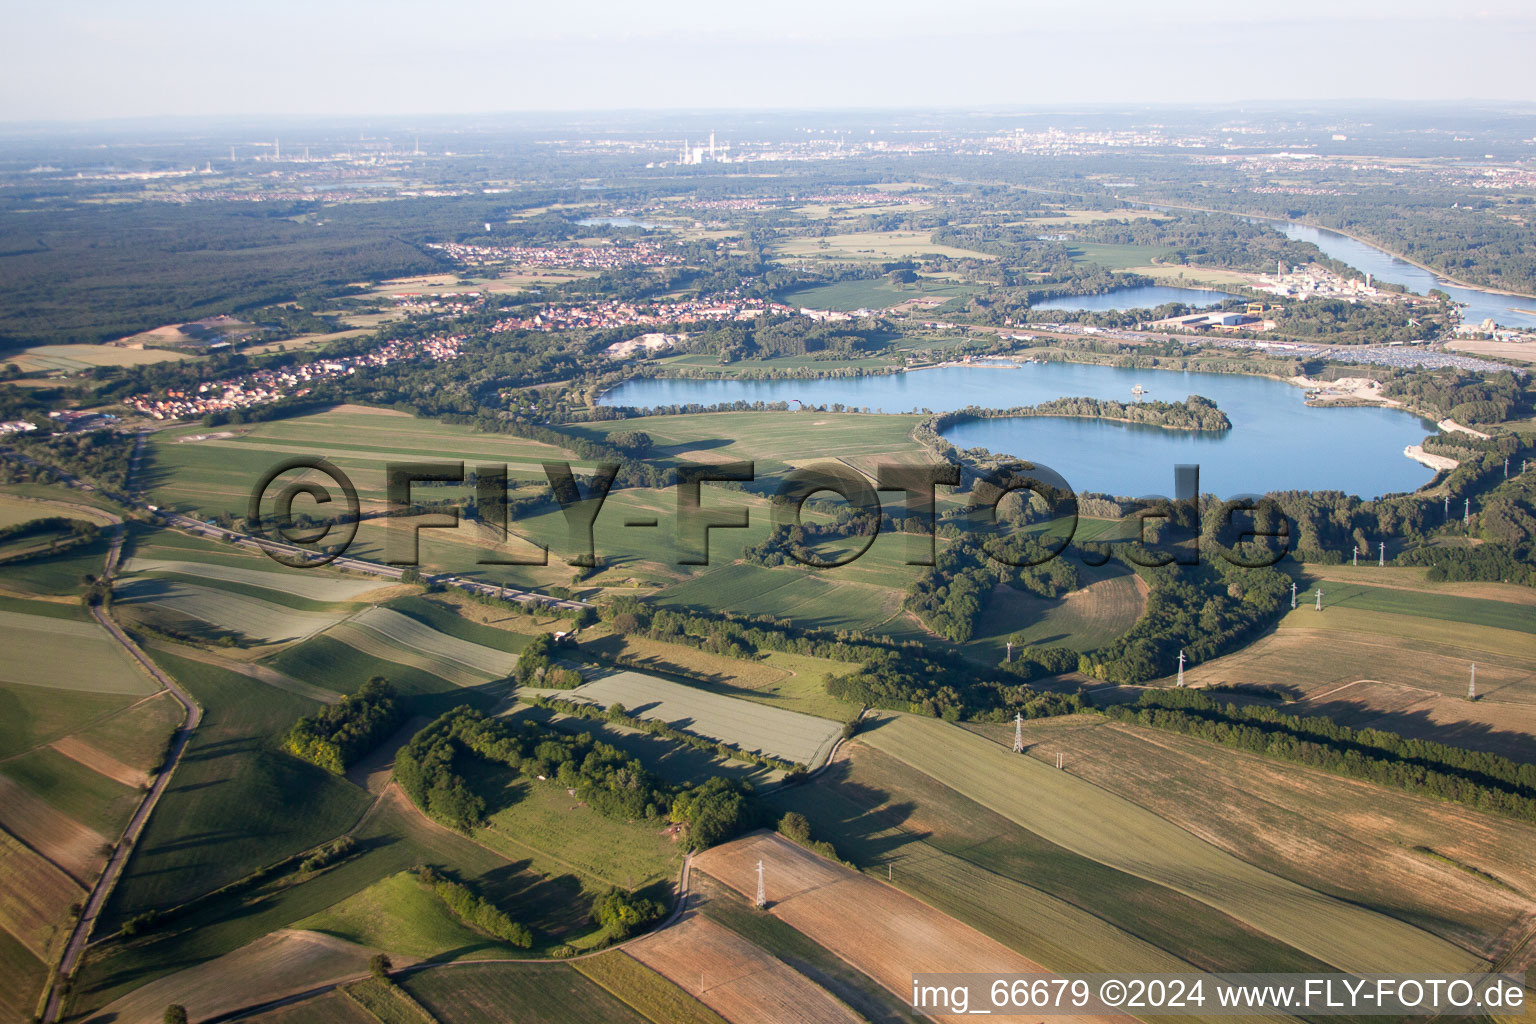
(1272, 219)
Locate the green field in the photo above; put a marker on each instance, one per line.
(30, 646)
(22, 976)
(60, 574)
(387, 1003)
(136, 736)
(653, 996)
(559, 837)
(34, 715)
(69, 786)
(747, 725)
(391, 839)
(313, 585)
(1065, 810)
(228, 612)
(236, 802)
(402, 915)
(526, 993)
(1108, 604)
(1073, 913)
(876, 293)
(1113, 256)
(1427, 605)
(328, 662)
(436, 651)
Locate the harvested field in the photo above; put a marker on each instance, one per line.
(878, 929)
(735, 978)
(751, 726)
(307, 583)
(1360, 842)
(29, 653)
(22, 977)
(34, 899)
(284, 962)
(76, 749)
(1498, 726)
(1096, 824)
(68, 844)
(234, 613)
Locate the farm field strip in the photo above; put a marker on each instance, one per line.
(29, 653)
(792, 735)
(287, 961)
(1362, 842)
(734, 977)
(878, 929)
(1094, 823)
(316, 586)
(528, 993)
(653, 995)
(101, 762)
(252, 617)
(34, 898)
(406, 633)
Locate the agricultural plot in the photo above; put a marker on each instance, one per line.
(1093, 823)
(276, 965)
(392, 838)
(815, 600)
(733, 977)
(1502, 727)
(345, 668)
(246, 803)
(652, 995)
(192, 470)
(16, 509)
(224, 610)
(754, 727)
(75, 358)
(34, 899)
(878, 293)
(1062, 910)
(544, 823)
(72, 846)
(22, 977)
(437, 652)
(136, 736)
(65, 784)
(1448, 869)
(334, 1007)
(1087, 618)
(401, 915)
(34, 715)
(796, 682)
(527, 993)
(874, 246)
(29, 654)
(310, 584)
(878, 929)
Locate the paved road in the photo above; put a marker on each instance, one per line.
(124, 849)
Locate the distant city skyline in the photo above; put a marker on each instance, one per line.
(92, 60)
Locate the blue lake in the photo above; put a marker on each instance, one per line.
(1276, 442)
(1143, 297)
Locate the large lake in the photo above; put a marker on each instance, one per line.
(1276, 442)
(1144, 297)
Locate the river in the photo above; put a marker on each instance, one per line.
(1383, 266)
(1277, 442)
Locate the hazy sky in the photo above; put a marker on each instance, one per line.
(90, 59)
